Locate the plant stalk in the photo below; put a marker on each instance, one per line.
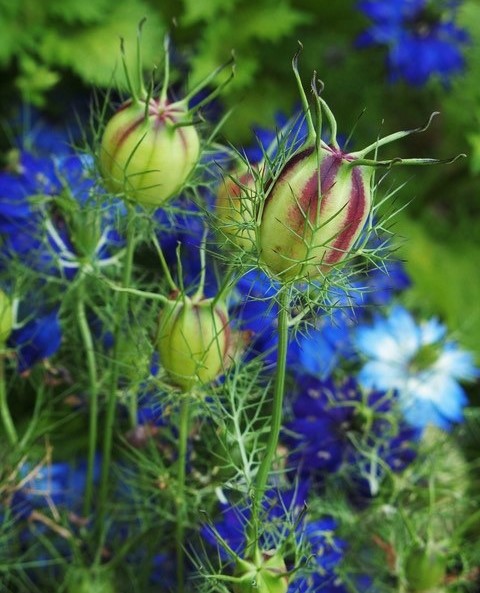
(122, 314)
(89, 350)
(276, 421)
(180, 497)
(4, 410)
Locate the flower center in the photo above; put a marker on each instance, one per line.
(424, 358)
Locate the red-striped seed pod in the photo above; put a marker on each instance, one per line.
(148, 150)
(193, 341)
(313, 214)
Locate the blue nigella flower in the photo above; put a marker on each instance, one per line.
(317, 537)
(280, 507)
(419, 363)
(60, 484)
(422, 38)
(37, 339)
(326, 551)
(334, 426)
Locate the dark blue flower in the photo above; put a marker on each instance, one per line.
(325, 551)
(334, 425)
(38, 339)
(59, 484)
(422, 38)
(280, 508)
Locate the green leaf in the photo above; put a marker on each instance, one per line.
(205, 10)
(73, 11)
(9, 32)
(445, 279)
(94, 52)
(35, 80)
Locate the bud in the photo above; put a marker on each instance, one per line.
(148, 150)
(6, 317)
(235, 207)
(425, 569)
(316, 206)
(83, 580)
(266, 573)
(313, 215)
(193, 340)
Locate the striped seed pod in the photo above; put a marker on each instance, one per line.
(148, 150)
(193, 341)
(313, 214)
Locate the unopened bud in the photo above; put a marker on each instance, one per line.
(148, 151)
(83, 580)
(266, 573)
(425, 569)
(313, 215)
(193, 341)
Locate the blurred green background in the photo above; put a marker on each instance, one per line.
(53, 51)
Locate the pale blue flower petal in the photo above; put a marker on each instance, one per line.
(381, 375)
(432, 331)
(458, 363)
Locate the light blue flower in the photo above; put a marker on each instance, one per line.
(419, 363)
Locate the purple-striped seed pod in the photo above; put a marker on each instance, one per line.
(193, 341)
(313, 214)
(148, 151)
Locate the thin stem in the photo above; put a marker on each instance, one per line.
(276, 418)
(303, 96)
(163, 263)
(89, 352)
(122, 311)
(166, 70)
(4, 411)
(181, 507)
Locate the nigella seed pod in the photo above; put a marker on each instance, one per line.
(193, 340)
(6, 317)
(425, 569)
(84, 580)
(313, 215)
(148, 149)
(316, 206)
(236, 207)
(265, 573)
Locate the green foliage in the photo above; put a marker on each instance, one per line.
(444, 278)
(45, 37)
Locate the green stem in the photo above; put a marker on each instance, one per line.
(89, 350)
(121, 312)
(276, 419)
(4, 411)
(180, 497)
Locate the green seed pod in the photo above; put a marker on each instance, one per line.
(148, 151)
(6, 317)
(313, 215)
(83, 580)
(425, 569)
(236, 207)
(266, 573)
(193, 341)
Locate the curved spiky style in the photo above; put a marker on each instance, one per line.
(315, 209)
(151, 145)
